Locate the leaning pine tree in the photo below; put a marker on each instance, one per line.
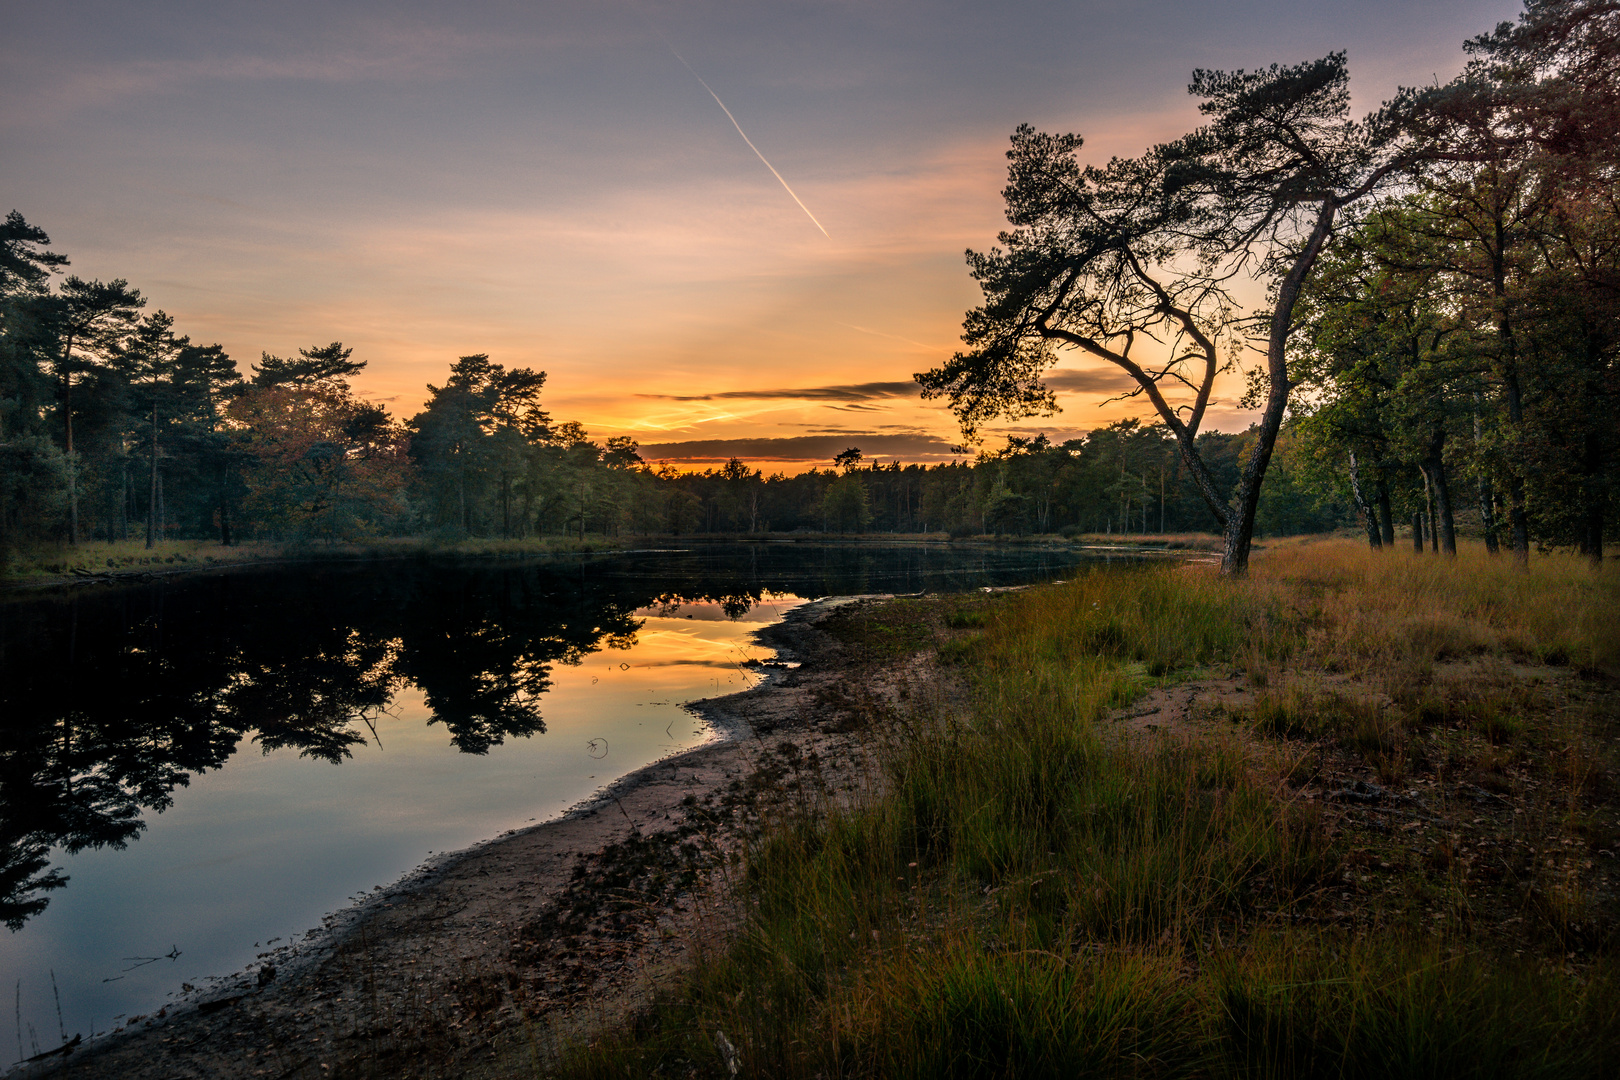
(1137, 256)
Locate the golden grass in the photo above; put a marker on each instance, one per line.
(46, 563)
(1031, 897)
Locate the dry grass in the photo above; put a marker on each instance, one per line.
(1181, 541)
(46, 564)
(1426, 889)
(1375, 612)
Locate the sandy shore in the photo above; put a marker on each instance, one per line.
(502, 952)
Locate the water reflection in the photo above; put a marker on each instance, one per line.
(111, 701)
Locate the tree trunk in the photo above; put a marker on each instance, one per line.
(152, 498)
(1417, 531)
(1386, 517)
(1428, 505)
(1518, 523)
(1369, 514)
(1161, 500)
(1487, 497)
(1443, 527)
(72, 461)
(1240, 519)
(73, 488)
(1487, 516)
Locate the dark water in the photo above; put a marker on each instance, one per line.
(192, 769)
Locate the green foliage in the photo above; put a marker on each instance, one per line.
(846, 507)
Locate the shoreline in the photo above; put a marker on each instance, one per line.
(141, 569)
(543, 857)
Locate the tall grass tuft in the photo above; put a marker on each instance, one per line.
(1382, 610)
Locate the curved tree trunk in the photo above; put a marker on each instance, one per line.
(1240, 521)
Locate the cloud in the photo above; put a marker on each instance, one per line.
(1091, 381)
(853, 392)
(806, 448)
(364, 51)
(871, 432)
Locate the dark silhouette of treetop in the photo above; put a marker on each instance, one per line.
(328, 364)
(24, 267)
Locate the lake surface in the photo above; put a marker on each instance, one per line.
(196, 769)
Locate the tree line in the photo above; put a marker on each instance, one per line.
(1442, 311)
(116, 426)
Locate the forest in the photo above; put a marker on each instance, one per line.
(119, 427)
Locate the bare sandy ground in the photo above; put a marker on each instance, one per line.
(509, 949)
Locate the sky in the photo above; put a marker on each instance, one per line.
(552, 184)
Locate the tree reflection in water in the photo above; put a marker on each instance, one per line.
(111, 700)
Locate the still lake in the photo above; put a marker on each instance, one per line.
(196, 768)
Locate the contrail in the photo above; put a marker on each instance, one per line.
(895, 337)
(749, 141)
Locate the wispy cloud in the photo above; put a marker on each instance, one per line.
(804, 448)
(1092, 381)
(851, 392)
(363, 51)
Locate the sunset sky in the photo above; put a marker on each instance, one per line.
(547, 183)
